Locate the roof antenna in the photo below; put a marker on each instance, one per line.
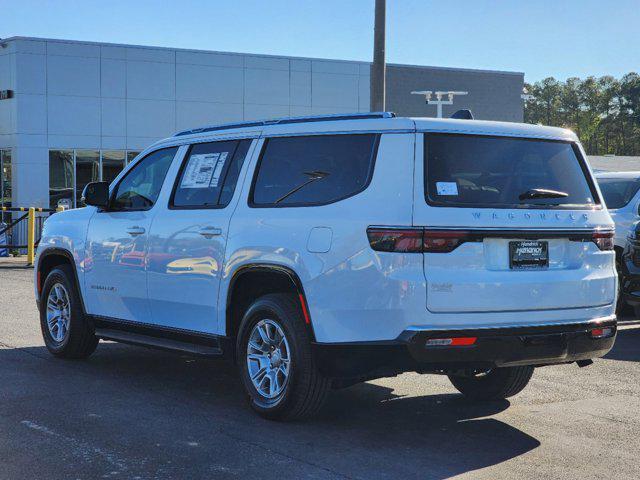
(463, 114)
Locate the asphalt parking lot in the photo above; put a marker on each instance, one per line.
(130, 412)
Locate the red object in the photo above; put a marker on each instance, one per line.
(305, 314)
(451, 342)
(415, 240)
(604, 240)
(602, 332)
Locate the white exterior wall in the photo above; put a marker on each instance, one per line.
(75, 95)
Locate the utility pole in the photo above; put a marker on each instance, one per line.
(378, 69)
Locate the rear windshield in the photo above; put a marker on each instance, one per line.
(483, 171)
(618, 192)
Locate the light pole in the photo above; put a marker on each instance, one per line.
(378, 69)
(438, 102)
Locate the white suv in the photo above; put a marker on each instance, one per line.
(323, 251)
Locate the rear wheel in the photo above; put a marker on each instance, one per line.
(65, 329)
(494, 384)
(275, 361)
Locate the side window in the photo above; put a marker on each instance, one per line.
(209, 174)
(140, 188)
(313, 170)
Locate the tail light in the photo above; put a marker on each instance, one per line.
(604, 240)
(403, 240)
(602, 332)
(415, 240)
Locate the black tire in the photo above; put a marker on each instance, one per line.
(496, 384)
(306, 389)
(80, 340)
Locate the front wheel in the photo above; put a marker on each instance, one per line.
(275, 361)
(65, 329)
(494, 384)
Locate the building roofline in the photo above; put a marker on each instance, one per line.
(264, 55)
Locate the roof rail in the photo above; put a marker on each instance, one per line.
(284, 121)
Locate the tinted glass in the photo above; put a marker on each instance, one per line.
(61, 178)
(209, 170)
(472, 170)
(618, 192)
(5, 178)
(140, 188)
(87, 170)
(112, 164)
(313, 170)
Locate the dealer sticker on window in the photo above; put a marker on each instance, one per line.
(447, 188)
(204, 170)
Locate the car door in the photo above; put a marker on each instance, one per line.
(188, 237)
(117, 238)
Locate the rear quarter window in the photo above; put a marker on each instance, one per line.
(313, 170)
(494, 172)
(618, 192)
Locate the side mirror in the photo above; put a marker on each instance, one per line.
(96, 194)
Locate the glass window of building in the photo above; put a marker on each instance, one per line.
(61, 178)
(87, 170)
(131, 155)
(5, 178)
(113, 162)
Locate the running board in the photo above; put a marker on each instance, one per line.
(213, 349)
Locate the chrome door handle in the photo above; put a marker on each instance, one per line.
(209, 232)
(135, 231)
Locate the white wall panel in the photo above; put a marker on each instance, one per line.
(209, 84)
(198, 114)
(150, 118)
(30, 73)
(114, 118)
(300, 91)
(73, 115)
(211, 59)
(334, 90)
(113, 78)
(364, 93)
(265, 112)
(328, 66)
(151, 80)
(114, 143)
(89, 142)
(272, 63)
(266, 86)
(151, 54)
(31, 113)
(79, 76)
(73, 49)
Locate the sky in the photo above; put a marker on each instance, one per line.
(559, 38)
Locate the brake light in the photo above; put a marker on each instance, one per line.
(604, 240)
(603, 332)
(403, 240)
(451, 342)
(415, 240)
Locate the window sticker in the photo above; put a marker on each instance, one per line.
(203, 170)
(447, 188)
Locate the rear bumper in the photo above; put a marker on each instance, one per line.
(499, 347)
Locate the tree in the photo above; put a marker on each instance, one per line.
(604, 112)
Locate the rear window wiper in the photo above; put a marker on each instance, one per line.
(313, 176)
(542, 193)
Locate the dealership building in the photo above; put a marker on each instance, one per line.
(72, 112)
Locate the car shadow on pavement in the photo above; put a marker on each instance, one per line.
(363, 429)
(627, 346)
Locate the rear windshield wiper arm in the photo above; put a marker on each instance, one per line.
(313, 176)
(542, 193)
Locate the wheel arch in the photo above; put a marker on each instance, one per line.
(52, 258)
(252, 281)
